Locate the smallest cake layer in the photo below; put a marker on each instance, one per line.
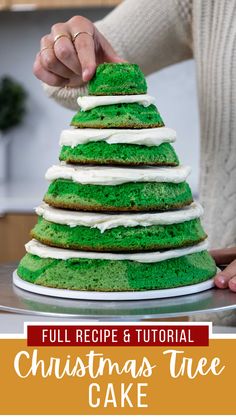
(127, 115)
(116, 275)
(140, 196)
(117, 79)
(103, 153)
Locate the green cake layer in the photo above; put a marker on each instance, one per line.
(100, 152)
(117, 79)
(140, 196)
(123, 115)
(119, 239)
(113, 275)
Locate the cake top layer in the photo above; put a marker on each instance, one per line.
(117, 79)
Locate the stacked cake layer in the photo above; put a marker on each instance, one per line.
(119, 213)
(135, 147)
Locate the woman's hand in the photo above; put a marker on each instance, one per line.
(226, 278)
(69, 55)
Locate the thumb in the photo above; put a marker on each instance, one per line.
(227, 277)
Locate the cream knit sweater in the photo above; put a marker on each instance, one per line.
(158, 33)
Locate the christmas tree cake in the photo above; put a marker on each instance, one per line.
(118, 214)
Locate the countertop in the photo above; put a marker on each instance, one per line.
(21, 196)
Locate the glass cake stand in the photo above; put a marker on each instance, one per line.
(16, 300)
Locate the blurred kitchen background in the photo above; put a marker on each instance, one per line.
(31, 147)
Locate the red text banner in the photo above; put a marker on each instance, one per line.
(73, 335)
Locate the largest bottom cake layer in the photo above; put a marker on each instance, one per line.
(116, 275)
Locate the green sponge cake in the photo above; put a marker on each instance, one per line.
(120, 239)
(118, 213)
(102, 188)
(115, 232)
(120, 154)
(117, 79)
(119, 146)
(122, 115)
(146, 196)
(116, 275)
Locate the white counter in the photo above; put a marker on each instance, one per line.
(21, 196)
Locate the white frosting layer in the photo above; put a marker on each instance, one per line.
(107, 221)
(95, 175)
(90, 102)
(39, 249)
(148, 137)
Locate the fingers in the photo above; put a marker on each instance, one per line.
(64, 49)
(224, 256)
(232, 284)
(70, 53)
(84, 45)
(227, 278)
(46, 76)
(49, 60)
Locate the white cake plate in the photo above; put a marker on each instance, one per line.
(112, 296)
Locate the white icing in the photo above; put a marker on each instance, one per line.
(107, 221)
(101, 175)
(43, 251)
(90, 102)
(148, 136)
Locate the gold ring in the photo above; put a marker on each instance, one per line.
(61, 35)
(44, 48)
(80, 33)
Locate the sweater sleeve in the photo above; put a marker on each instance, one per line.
(153, 34)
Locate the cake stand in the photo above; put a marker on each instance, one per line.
(16, 300)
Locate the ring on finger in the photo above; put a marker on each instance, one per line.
(44, 49)
(80, 33)
(61, 35)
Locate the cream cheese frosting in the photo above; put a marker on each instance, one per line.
(89, 102)
(148, 136)
(107, 221)
(43, 251)
(101, 175)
